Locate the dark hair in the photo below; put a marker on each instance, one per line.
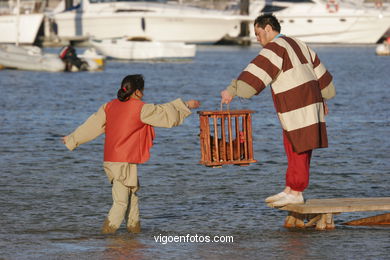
(270, 19)
(129, 85)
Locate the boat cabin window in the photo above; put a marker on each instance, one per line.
(271, 9)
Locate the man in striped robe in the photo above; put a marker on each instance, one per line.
(300, 84)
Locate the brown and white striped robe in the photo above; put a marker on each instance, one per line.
(299, 83)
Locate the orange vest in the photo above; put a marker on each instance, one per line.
(128, 139)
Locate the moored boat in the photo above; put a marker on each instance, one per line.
(123, 48)
(90, 60)
(383, 49)
(29, 58)
(93, 58)
(320, 21)
(150, 20)
(20, 23)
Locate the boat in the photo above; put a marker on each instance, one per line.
(126, 49)
(383, 49)
(332, 21)
(30, 20)
(155, 21)
(90, 60)
(14, 56)
(29, 58)
(95, 60)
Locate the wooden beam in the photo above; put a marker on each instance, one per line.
(383, 219)
(337, 205)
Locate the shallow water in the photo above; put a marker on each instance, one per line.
(53, 201)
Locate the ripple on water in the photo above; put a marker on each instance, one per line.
(53, 201)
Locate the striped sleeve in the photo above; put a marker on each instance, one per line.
(325, 79)
(262, 70)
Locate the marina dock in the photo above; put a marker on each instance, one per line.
(320, 212)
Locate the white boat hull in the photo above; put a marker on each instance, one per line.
(28, 28)
(96, 62)
(155, 22)
(336, 29)
(29, 58)
(383, 49)
(314, 23)
(143, 50)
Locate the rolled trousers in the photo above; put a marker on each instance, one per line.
(125, 204)
(297, 173)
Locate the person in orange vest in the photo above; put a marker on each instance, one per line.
(127, 123)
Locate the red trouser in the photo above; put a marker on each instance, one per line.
(297, 174)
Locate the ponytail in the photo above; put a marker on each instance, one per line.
(129, 85)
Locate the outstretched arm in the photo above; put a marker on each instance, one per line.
(237, 88)
(167, 115)
(260, 72)
(89, 130)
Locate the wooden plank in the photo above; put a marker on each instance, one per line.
(333, 200)
(383, 219)
(321, 224)
(312, 221)
(329, 221)
(337, 205)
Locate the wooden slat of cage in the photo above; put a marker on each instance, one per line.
(245, 133)
(238, 138)
(230, 137)
(223, 133)
(216, 145)
(201, 139)
(205, 139)
(250, 137)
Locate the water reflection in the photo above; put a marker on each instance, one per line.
(294, 246)
(123, 247)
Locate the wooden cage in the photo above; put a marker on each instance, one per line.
(226, 137)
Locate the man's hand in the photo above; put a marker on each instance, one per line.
(226, 98)
(191, 104)
(326, 109)
(64, 139)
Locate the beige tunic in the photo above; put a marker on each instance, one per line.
(165, 115)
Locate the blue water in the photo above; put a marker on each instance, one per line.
(53, 201)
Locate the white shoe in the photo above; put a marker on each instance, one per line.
(276, 197)
(288, 199)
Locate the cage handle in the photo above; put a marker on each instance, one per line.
(227, 105)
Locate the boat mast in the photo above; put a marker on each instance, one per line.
(17, 22)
